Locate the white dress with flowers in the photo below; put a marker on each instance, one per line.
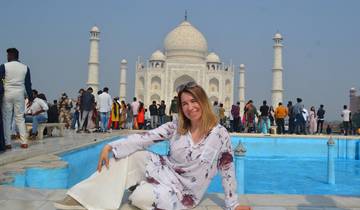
(181, 178)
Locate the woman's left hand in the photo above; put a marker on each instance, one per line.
(243, 208)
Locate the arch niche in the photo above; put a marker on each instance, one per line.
(155, 83)
(214, 85)
(181, 80)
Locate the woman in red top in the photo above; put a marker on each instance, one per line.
(141, 116)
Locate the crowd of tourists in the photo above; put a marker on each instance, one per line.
(290, 119)
(100, 112)
(104, 113)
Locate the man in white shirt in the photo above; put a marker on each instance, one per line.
(305, 115)
(37, 112)
(104, 103)
(346, 115)
(135, 108)
(17, 82)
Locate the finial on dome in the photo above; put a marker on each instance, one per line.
(185, 15)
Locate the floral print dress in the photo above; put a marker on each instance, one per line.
(181, 178)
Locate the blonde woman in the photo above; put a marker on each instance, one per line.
(312, 120)
(199, 148)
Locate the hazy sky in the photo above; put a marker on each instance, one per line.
(321, 55)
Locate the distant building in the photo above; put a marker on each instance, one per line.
(354, 101)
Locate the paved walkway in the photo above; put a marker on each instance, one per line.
(43, 153)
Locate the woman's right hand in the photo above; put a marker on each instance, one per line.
(104, 158)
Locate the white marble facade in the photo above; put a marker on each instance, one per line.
(185, 58)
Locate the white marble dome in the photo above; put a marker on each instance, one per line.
(213, 58)
(157, 56)
(123, 61)
(185, 41)
(95, 29)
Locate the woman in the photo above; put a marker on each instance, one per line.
(271, 116)
(141, 116)
(312, 121)
(199, 148)
(115, 114)
(123, 111)
(129, 117)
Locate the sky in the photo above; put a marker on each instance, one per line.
(320, 55)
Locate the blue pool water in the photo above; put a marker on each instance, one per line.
(272, 166)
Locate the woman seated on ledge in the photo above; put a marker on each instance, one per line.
(199, 148)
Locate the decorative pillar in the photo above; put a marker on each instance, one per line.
(93, 73)
(239, 153)
(242, 88)
(123, 68)
(277, 85)
(331, 161)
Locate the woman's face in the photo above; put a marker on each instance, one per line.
(190, 107)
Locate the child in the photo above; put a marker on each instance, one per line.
(328, 130)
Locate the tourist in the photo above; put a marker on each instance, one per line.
(280, 113)
(129, 117)
(305, 115)
(177, 181)
(235, 112)
(76, 116)
(123, 110)
(115, 114)
(216, 109)
(96, 113)
(320, 119)
(291, 114)
(264, 118)
(222, 116)
(135, 110)
(17, 81)
(346, 117)
(36, 113)
(153, 114)
(104, 103)
(87, 105)
(312, 120)
(162, 115)
(53, 113)
(141, 116)
(250, 115)
(272, 116)
(2, 139)
(65, 106)
(299, 119)
(328, 129)
(174, 109)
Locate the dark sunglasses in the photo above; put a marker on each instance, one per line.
(184, 86)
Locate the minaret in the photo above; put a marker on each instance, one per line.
(93, 75)
(242, 88)
(277, 86)
(353, 100)
(123, 68)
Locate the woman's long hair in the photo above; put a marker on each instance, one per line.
(208, 118)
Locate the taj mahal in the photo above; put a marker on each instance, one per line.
(184, 58)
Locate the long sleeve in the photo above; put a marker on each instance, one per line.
(2, 77)
(28, 84)
(135, 142)
(226, 168)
